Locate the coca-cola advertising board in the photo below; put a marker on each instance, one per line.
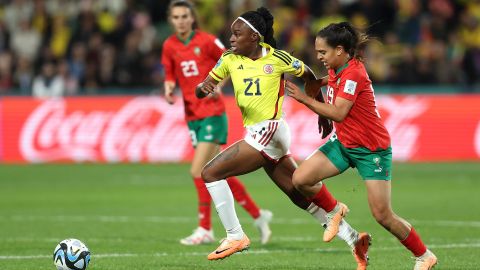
(147, 129)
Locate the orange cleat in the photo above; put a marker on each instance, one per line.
(229, 247)
(334, 218)
(425, 262)
(360, 251)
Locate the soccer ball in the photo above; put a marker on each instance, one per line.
(71, 254)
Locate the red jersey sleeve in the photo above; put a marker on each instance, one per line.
(215, 48)
(351, 83)
(167, 62)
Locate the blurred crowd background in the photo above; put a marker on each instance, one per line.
(76, 47)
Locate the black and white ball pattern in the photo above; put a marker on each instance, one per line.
(71, 254)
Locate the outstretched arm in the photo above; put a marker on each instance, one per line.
(312, 84)
(206, 87)
(336, 112)
(314, 92)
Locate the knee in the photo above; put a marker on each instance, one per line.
(298, 181)
(207, 175)
(383, 215)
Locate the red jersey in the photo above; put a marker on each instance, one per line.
(362, 127)
(189, 64)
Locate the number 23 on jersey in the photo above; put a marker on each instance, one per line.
(189, 68)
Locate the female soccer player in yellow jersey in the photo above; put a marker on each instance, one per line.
(256, 69)
(187, 57)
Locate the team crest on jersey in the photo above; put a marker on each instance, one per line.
(268, 69)
(197, 51)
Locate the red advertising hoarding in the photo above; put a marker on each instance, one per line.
(147, 129)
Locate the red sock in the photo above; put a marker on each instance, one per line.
(242, 197)
(204, 201)
(414, 243)
(324, 199)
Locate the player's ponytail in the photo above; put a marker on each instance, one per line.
(262, 21)
(268, 17)
(344, 34)
(187, 4)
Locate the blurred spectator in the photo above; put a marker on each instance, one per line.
(17, 11)
(6, 79)
(70, 83)
(25, 41)
(60, 38)
(41, 21)
(77, 62)
(101, 44)
(4, 37)
(106, 73)
(48, 84)
(142, 24)
(23, 76)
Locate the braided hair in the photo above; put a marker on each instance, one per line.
(262, 20)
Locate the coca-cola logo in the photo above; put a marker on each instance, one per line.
(144, 129)
(400, 114)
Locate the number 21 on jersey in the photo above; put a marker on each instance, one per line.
(249, 83)
(189, 68)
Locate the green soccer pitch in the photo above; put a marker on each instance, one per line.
(132, 217)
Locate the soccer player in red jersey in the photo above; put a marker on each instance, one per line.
(187, 56)
(361, 139)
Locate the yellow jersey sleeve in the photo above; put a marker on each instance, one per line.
(221, 68)
(289, 64)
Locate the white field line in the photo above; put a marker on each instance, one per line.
(255, 252)
(160, 219)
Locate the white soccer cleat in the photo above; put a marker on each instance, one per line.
(425, 262)
(198, 237)
(262, 224)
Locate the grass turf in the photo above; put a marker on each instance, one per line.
(131, 216)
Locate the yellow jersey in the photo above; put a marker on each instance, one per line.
(259, 84)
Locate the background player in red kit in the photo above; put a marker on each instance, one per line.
(188, 56)
(361, 139)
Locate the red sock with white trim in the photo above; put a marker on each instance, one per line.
(242, 197)
(414, 243)
(204, 202)
(324, 199)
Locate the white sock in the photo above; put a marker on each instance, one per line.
(345, 232)
(222, 197)
(318, 213)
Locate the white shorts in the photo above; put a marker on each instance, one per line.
(270, 137)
